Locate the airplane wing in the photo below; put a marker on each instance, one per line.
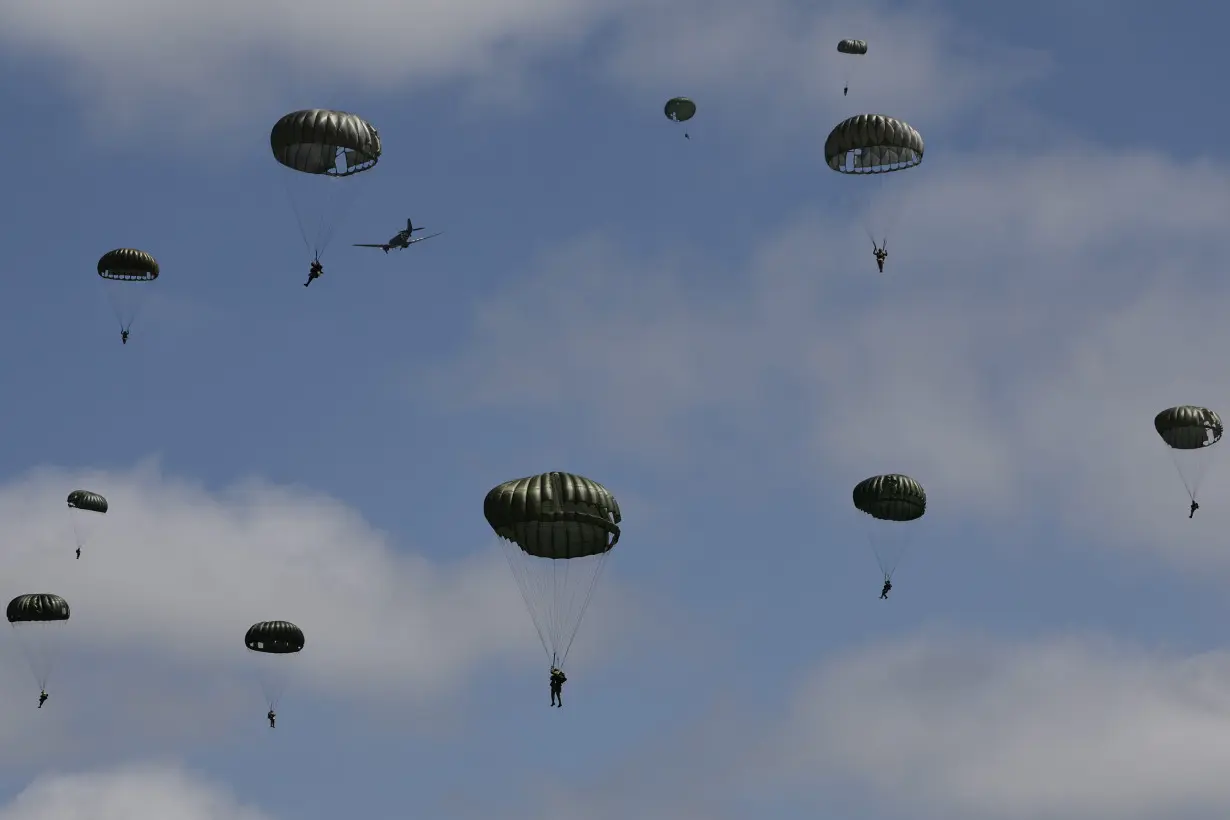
(421, 238)
(368, 246)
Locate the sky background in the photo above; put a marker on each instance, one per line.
(697, 324)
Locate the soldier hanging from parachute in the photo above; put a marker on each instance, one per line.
(873, 145)
(329, 146)
(1188, 431)
(854, 48)
(124, 272)
(891, 500)
(543, 522)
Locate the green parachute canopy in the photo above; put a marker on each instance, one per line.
(1188, 431)
(324, 147)
(890, 500)
(37, 607)
(274, 638)
(872, 144)
(852, 46)
(558, 529)
(87, 501)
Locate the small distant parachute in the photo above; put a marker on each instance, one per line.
(852, 47)
(865, 149)
(84, 507)
(1189, 431)
(891, 500)
(324, 147)
(680, 109)
(38, 619)
(125, 273)
(274, 643)
(557, 530)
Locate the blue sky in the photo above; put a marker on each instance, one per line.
(697, 324)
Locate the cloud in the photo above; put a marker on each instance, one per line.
(177, 567)
(194, 67)
(137, 792)
(1011, 357)
(959, 726)
(776, 63)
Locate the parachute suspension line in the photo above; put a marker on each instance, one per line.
(1178, 469)
(340, 202)
(523, 584)
(589, 594)
(298, 214)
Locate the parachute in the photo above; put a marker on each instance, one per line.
(557, 530)
(125, 273)
(1188, 431)
(324, 148)
(890, 500)
(865, 148)
(84, 508)
(852, 47)
(274, 643)
(38, 620)
(680, 109)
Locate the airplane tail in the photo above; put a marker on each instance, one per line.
(410, 226)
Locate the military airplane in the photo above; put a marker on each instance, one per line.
(402, 240)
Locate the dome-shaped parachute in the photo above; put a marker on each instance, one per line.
(324, 147)
(872, 144)
(37, 607)
(557, 529)
(274, 637)
(84, 507)
(1188, 431)
(122, 272)
(313, 141)
(890, 500)
(38, 619)
(865, 149)
(128, 265)
(852, 46)
(87, 501)
(273, 644)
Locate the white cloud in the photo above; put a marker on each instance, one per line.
(141, 792)
(174, 574)
(1073, 728)
(195, 66)
(1034, 315)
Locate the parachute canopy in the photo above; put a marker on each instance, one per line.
(312, 141)
(274, 638)
(1188, 427)
(554, 515)
(557, 530)
(872, 144)
(37, 607)
(891, 498)
(680, 109)
(87, 500)
(128, 265)
(852, 46)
